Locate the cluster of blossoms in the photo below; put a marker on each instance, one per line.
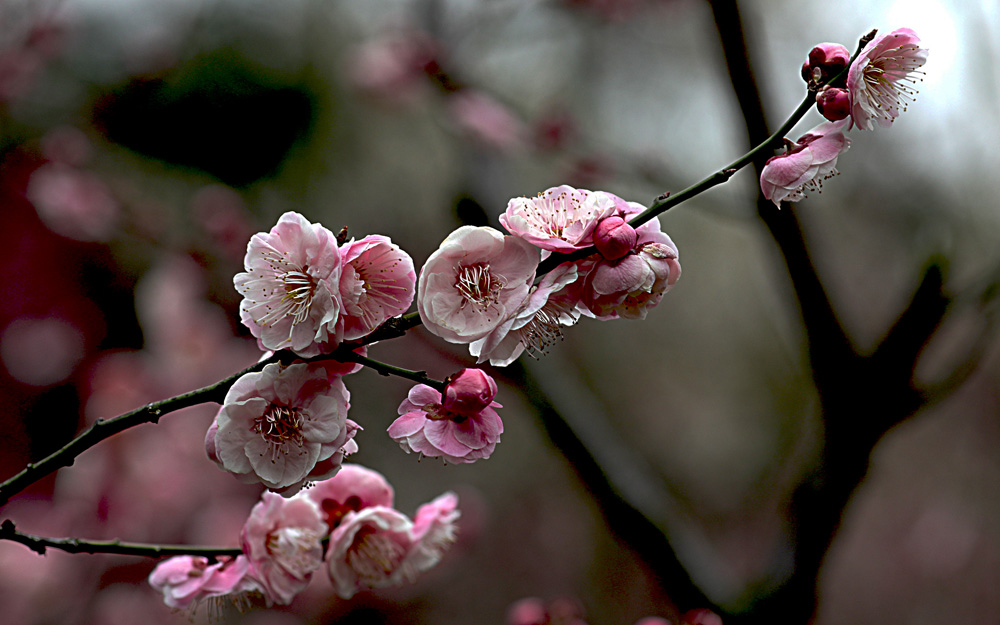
(346, 524)
(875, 89)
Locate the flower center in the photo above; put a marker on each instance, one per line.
(374, 555)
(289, 290)
(296, 549)
(477, 285)
(550, 215)
(278, 426)
(890, 79)
(542, 332)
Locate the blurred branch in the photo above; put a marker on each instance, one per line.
(39, 544)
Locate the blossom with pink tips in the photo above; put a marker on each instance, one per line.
(560, 219)
(473, 282)
(380, 546)
(185, 581)
(278, 425)
(427, 428)
(538, 324)
(291, 293)
(376, 283)
(805, 165)
(282, 540)
(881, 80)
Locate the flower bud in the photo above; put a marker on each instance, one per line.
(833, 103)
(614, 238)
(468, 392)
(701, 616)
(825, 60)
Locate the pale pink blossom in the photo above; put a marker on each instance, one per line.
(185, 581)
(427, 428)
(74, 203)
(473, 282)
(291, 294)
(560, 219)
(487, 121)
(391, 68)
(882, 79)
(380, 546)
(355, 487)
(538, 324)
(275, 426)
(377, 283)
(468, 392)
(805, 164)
(631, 285)
(282, 540)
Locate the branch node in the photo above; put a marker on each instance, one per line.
(661, 197)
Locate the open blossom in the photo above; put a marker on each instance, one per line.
(355, 487)
(537, 325)
(291, 295)
(805, 165)
(187, 580)
(277, 426)
(427, 428)
(376, 283)
(560, 219)
(282, 540)
(473, 282)
(881, 80)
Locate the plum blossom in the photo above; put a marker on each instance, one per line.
(379, 546)
(353, 488)
(291, 295)
(185, 581)
(881, 80)
(376, 283)
(537, 325)
(468, 392)
(473, 282)
(825, 61)
(427, 428)
(805, 165)
(281, 538)
(560, 219)
(834, 103)
(282, 425)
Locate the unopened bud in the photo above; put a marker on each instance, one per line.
(614, 238)
(826, 60)
(833, 103)
(701, 616)
(468, 392)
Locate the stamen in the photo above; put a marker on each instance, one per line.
(478, 286)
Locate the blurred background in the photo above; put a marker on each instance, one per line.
(143, 142)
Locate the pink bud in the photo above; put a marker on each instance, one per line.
(614, 238)
(701, 616)
(833, 103)
(210, 449)
(825, 60)
(529, 611)
(468, 392)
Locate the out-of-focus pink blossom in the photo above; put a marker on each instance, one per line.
(834, 103)
(390, 68)
(825, 61)
(282, 538)
(376, 283)
(805, 165)
(486, 121)
(560, 219)
(882, 79)
(380, 546)
(276, 425)
(355, 487)
(630, 286)
(474, 282)
(652, 620)
(614, 237)
(538, 324)
(225, 219)
(701, 616)
(427, 428)
(186, 580)
(527, 611)
(74, 203)
(291, 294)
(469, 392)
(41, 351)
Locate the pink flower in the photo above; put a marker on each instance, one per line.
(701, 616)
(376, 283)
(537, 325)
(614, 237)
(354, 488)
(281, 538)
(187, 580)
(633, 284)
(278, 425)
(427, 428)
(825, 61)
(560, 219)
(834, 103)
(291, 295)
(469, 392)
(881, 80)
(805, 165)
(73, 202)
(475, 280)
(380, 546)
(486, 120)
